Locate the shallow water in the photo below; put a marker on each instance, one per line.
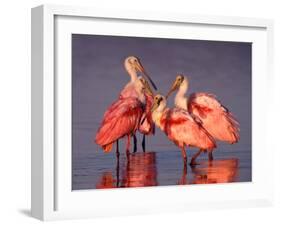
(97, 170)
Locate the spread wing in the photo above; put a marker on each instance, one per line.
(215, 117)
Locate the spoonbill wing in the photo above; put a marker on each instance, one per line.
(215, 118)
(121, 119)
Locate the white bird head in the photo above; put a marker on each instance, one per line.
(180, 81)
(159, 103)
(133, 65)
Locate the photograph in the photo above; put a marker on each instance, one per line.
(150, 111)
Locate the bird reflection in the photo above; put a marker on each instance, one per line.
(139, 171)
(107, 181)
(217, 171)
(183, 180)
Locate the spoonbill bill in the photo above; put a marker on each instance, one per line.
(180, 127)
(215, 118)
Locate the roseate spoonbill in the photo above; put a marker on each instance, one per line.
(132, 65)
(147, 126)
(180, 127)
(122, 119)
(215, 118)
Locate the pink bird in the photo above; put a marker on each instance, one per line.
(123, 116)
(215, 118)
(180, 127)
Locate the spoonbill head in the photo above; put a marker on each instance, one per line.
(181, 82)
(159, 103)
(133, 65)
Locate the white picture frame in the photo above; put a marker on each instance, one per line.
(52, 197)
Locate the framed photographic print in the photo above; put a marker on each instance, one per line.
(137, 112)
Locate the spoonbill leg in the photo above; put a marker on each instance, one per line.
(117, 149)
(143, 143)
(135, 143)
(184, 156)
(210, 155)
(117, 173)
(128, 146)
(193, 160)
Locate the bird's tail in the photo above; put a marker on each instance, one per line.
(107, 147)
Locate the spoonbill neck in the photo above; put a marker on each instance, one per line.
(156, 117)
(132, 73)
(180, 98)
(183, 87)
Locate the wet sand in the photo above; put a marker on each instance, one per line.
(97, 170)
